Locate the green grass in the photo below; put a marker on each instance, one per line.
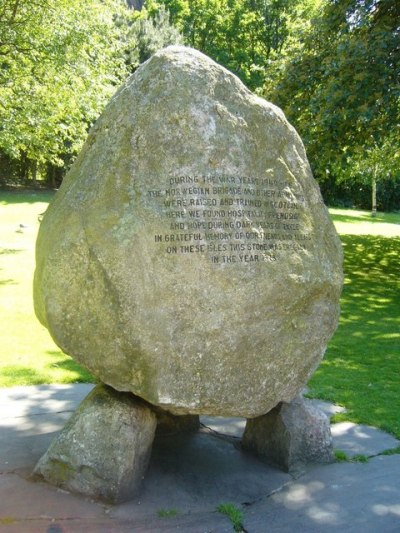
(391, 451)
(352, 222)
(387, 224)
(234, 514)
(361, 368)
(341, 457)
(28, 355)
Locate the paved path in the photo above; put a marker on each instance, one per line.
(190, 476)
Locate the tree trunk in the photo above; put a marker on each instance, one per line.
(34, 172)
(135, 4)
(374, 173)
(24, 169)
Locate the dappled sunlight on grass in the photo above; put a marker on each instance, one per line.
(361, 369)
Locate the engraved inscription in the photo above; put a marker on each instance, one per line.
(230, 219)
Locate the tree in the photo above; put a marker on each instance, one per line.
(339, 83)
(61, 61)
(242, 35)
(145, 34)
(376, 162)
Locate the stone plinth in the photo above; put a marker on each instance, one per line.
(104, 449)
(291, 435)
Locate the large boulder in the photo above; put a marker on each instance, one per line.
(188, 256)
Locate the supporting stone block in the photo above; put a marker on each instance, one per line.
(104, 449)
(290, 435)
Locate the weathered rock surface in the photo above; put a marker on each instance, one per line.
(291, 435)
(104, 449)
(188, 256)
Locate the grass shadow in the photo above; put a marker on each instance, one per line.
(14, 375)
(25, 197)
(66, 363)
(352, 218)
(10, 251)
(8, 282)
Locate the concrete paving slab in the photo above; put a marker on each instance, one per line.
(355, 439)
(27, 401)
(350, 497)
(42, 501)
(204, 472)
(192, 474)
(328, 408)
(30, 417)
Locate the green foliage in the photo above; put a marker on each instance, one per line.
(332, 66)
(376, 159)
(337, 81)
(234, 514)
(356, 191)
(61, 60)
(239, 34)
(342, 457)
(7, 520)
(359, 458)
(146, 34)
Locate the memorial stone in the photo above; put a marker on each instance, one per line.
(188, 257)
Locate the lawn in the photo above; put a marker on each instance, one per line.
(27, 353)
(361, 368)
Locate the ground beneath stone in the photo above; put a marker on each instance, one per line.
(189, 476)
